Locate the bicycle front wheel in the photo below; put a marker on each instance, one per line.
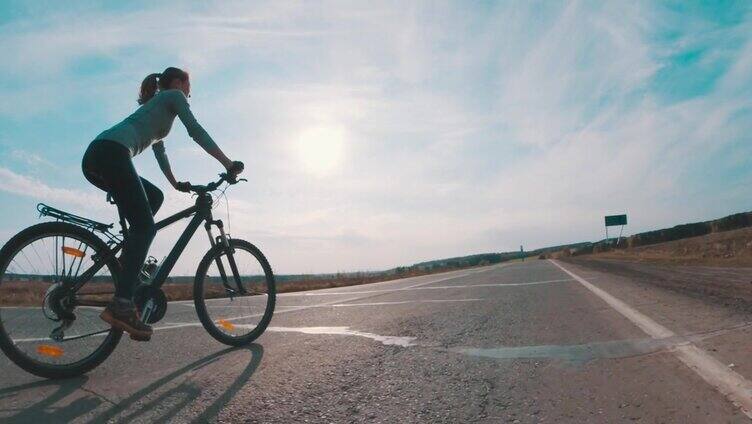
(42, 329)
(234, 293)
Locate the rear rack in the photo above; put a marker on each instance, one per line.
(89, 224)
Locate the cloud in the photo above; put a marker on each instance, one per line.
(30, 159)
(33, 188)
(468, 128)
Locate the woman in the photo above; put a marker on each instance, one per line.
(107, 164)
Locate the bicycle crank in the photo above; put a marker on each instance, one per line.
(151, 303)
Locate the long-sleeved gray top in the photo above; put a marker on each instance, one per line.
(151, 122)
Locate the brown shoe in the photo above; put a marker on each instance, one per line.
(122, 315)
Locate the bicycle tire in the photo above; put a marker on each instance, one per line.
(200, 303)
(50, 371)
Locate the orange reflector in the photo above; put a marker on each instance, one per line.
(47, 350)
(227, 325)
(73, 252)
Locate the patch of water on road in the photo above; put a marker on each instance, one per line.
(583, 353)
(574, 353)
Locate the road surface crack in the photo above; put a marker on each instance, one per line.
(102, 397)
(490, 385)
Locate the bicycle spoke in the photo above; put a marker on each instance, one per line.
(18, 266)
(34, 248)
(81, 261)
(246, 271)
(57, 276)
(96, 333)
(236, 318)
(33, 268)
(69, 271)
(5, 322)
(44, 245)
(62, 257)
(34, 275)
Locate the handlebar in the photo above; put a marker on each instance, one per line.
(223, 178)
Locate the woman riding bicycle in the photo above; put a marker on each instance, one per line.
(107, 164)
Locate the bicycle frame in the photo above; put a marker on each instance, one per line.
(201, 212)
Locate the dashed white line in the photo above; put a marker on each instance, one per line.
(325, 292)
(403, 302)
(341, 305)
(169, 326)
(403, 341)
(464, 286)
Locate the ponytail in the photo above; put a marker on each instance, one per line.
(148, 88)
(154, 82)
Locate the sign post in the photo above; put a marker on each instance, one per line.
(615, 221)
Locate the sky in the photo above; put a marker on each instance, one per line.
(378, 134)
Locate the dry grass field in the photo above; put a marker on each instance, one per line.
(728, 248)
(31, 293)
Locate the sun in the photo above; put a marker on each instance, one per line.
(320, 149)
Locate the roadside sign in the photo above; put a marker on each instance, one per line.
(616, 220)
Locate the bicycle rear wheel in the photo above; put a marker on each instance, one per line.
(34, 305)
(230, 315)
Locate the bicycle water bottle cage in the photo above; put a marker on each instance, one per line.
(89, 224)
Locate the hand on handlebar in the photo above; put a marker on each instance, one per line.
(235, 169)
(214, 185)
(183, 186)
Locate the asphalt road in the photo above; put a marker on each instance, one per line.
(522, 342)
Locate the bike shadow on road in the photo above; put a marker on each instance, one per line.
(46, 394)
(150, 404)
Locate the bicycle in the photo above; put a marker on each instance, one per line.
(55, 265)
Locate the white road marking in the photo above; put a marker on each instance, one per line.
(403, 302)
(582, 353)
(345, 331)
(532, 283)
(341, 305)
(169, 326)
(730, 383)
(323, 292)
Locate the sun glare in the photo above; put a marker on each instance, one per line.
(320, 149)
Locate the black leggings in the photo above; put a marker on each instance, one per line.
(107, 165)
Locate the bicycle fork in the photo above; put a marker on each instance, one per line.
(223, 240)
